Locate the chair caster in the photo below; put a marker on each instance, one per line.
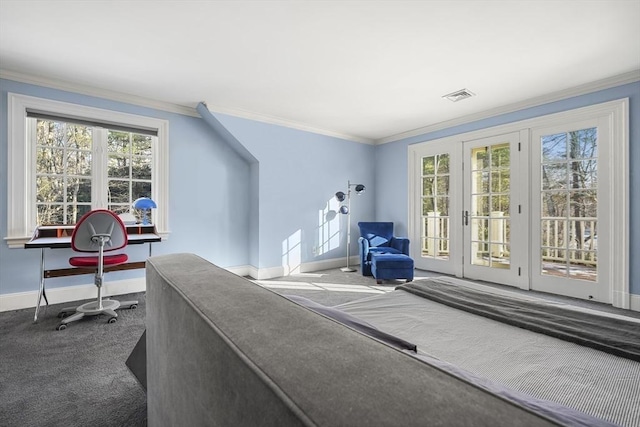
(133, 306)
(379, 282)
(112, 320)
(61, 327)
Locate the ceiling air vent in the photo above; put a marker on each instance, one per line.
(459, 95)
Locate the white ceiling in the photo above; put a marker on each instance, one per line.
(365, 70)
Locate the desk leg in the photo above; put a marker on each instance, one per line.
(41, 292)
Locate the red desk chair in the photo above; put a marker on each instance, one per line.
(98, 231)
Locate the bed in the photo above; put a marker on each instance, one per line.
(579, 358)
(222, 350)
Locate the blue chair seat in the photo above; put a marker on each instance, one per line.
(385, 266)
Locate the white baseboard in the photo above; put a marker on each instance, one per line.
(20, 300)
(271, 272)
(635, 302)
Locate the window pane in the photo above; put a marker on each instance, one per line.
(78, 190)
(428, 186)
(479, 159)
(49, 160)
(49, 189)
(119, 192)
(554, 147)
(554, 176)
(583, 144)
(554, 204)
(480, 182)
(141, 145)
(480, 205)
(50, 214)
(74, 213)
(442, 164)
(501, 203)
(140, 189)
(141, 168)
(500, 157)
(584, 204)
(583, 174)
(442, 205)
(443, 185)
(428, 165)
(118, 166)
(78, 162)
(118, 142)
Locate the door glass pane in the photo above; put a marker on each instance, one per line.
(490, 205)
(569, 213)
(435, 206)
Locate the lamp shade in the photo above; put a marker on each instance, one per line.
(144, 203)
(344, 210)
(340, 196)
(360, 189)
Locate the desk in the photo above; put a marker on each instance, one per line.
(59, 236)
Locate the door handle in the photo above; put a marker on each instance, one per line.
(465, 217)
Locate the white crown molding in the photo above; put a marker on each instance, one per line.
(98, 92)
(619, 80)
(169, 107)
(630, 77)
(236, 112)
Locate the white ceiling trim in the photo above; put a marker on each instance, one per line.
(630, 77)
(619, 80)
(286, 123)
(169, 107)
(97, 92)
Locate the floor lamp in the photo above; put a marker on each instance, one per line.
(341, 196)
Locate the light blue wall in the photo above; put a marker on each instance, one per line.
(214, 193)
(221, 207)
(298, 173)
(209, 199)
(392, 162)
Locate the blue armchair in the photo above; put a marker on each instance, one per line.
(377, 237)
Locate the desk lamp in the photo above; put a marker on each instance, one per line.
(145, 205)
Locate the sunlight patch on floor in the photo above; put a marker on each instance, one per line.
(314, 286)
(336, 287)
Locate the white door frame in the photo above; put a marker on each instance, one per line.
(453, 265)
(617, 114)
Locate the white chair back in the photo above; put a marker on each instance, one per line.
(97, 224)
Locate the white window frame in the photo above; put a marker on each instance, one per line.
(617, 113)
(21, 209)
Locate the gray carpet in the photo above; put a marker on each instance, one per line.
(78, 377)
(74, 377)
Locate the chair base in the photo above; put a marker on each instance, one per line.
(92, 308)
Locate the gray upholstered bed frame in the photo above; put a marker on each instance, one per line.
(223, 351)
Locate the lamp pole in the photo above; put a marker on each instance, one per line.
(340, 196)
(348, 269)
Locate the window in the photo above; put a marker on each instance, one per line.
(66, 159)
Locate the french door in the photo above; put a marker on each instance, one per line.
(541, 204)
(494, 232)
(437, 186)
(466, 206)
(570, 202)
